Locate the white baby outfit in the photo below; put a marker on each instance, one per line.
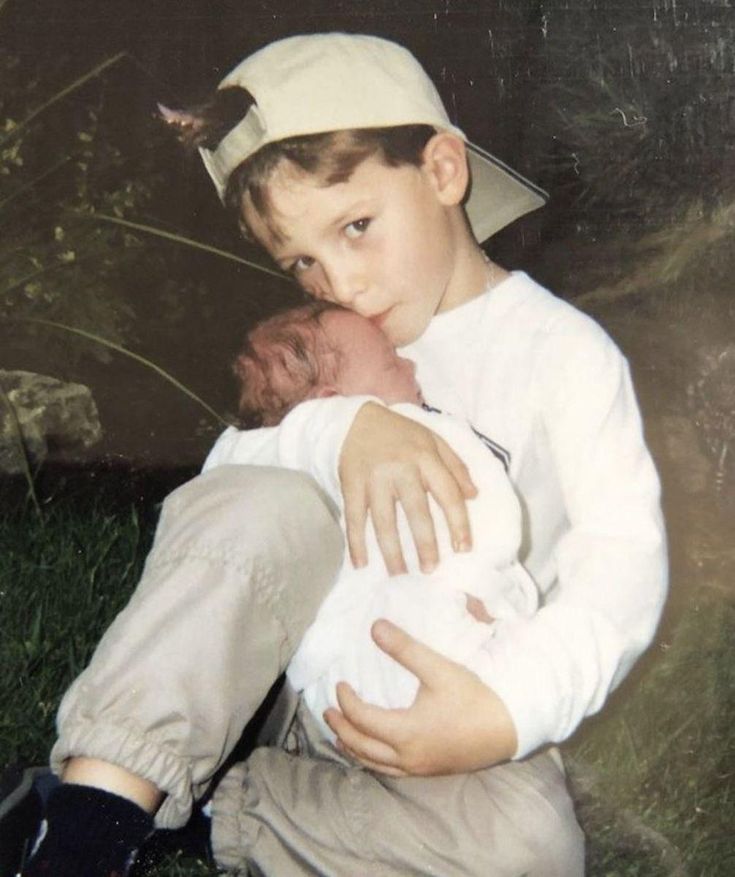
(431, 607)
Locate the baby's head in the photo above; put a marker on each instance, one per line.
(315, 351)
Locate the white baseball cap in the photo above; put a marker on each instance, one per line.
(316, 83)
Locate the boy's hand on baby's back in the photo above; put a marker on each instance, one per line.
(456, 724)
(388, 459)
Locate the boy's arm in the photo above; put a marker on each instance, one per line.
(556, 668)
(388, 459)
(391, 459)
(550, 671)
(308, 439)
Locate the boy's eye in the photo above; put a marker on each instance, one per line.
(356, 228)
(301, 264)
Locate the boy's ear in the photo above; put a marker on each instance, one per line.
(445, 163)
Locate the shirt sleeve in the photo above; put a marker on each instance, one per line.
(309, 439)
(559, 666)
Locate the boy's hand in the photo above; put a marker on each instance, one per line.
(387, 458)
(455, 725)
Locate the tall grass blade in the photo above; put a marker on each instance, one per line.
(42, 176)
(42, 272)
(90, 336)
(60, 95)
(22, 453)
(181, 239)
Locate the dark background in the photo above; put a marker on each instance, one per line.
(622, 110)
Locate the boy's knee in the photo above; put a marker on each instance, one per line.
(556, 837)
(560, 849)
(273, 527)
(252, 506)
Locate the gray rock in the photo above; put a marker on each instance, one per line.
(51, 414)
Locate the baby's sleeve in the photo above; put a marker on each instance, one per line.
(308, 439)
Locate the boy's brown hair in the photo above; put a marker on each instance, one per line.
(330, 157)
(305, 85)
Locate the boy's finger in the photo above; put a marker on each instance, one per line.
(355, 523)
(427, 665)
(447, 492)
(375, 766)
(412, 497)
(375, 732)
(383, 516)
(356, 724)
(458, 469)
(361, 747)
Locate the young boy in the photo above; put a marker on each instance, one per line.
(321, 350)
(348, 171)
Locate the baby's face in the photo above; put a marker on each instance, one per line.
(368, 363)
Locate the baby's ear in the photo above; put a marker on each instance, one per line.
(323, 392)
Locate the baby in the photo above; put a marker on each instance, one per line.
(319, 350)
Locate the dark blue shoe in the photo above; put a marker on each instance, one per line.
(21, 812)
(23, 796)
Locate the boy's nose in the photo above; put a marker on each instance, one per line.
(344, 285)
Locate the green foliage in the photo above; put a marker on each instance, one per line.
(82, 273)
(73, 188)
(62, 579)
(180, 866)
(655, 773)
(21, 452)
(55, 165)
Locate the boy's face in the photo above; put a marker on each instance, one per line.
(367, 362)
(381, 243)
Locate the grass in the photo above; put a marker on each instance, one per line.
(654, 776)
(63, 576)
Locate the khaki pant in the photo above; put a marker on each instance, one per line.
(242, 558)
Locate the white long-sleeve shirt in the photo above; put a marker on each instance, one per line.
(546, 383)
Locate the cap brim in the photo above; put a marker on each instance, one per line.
(498, 195)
